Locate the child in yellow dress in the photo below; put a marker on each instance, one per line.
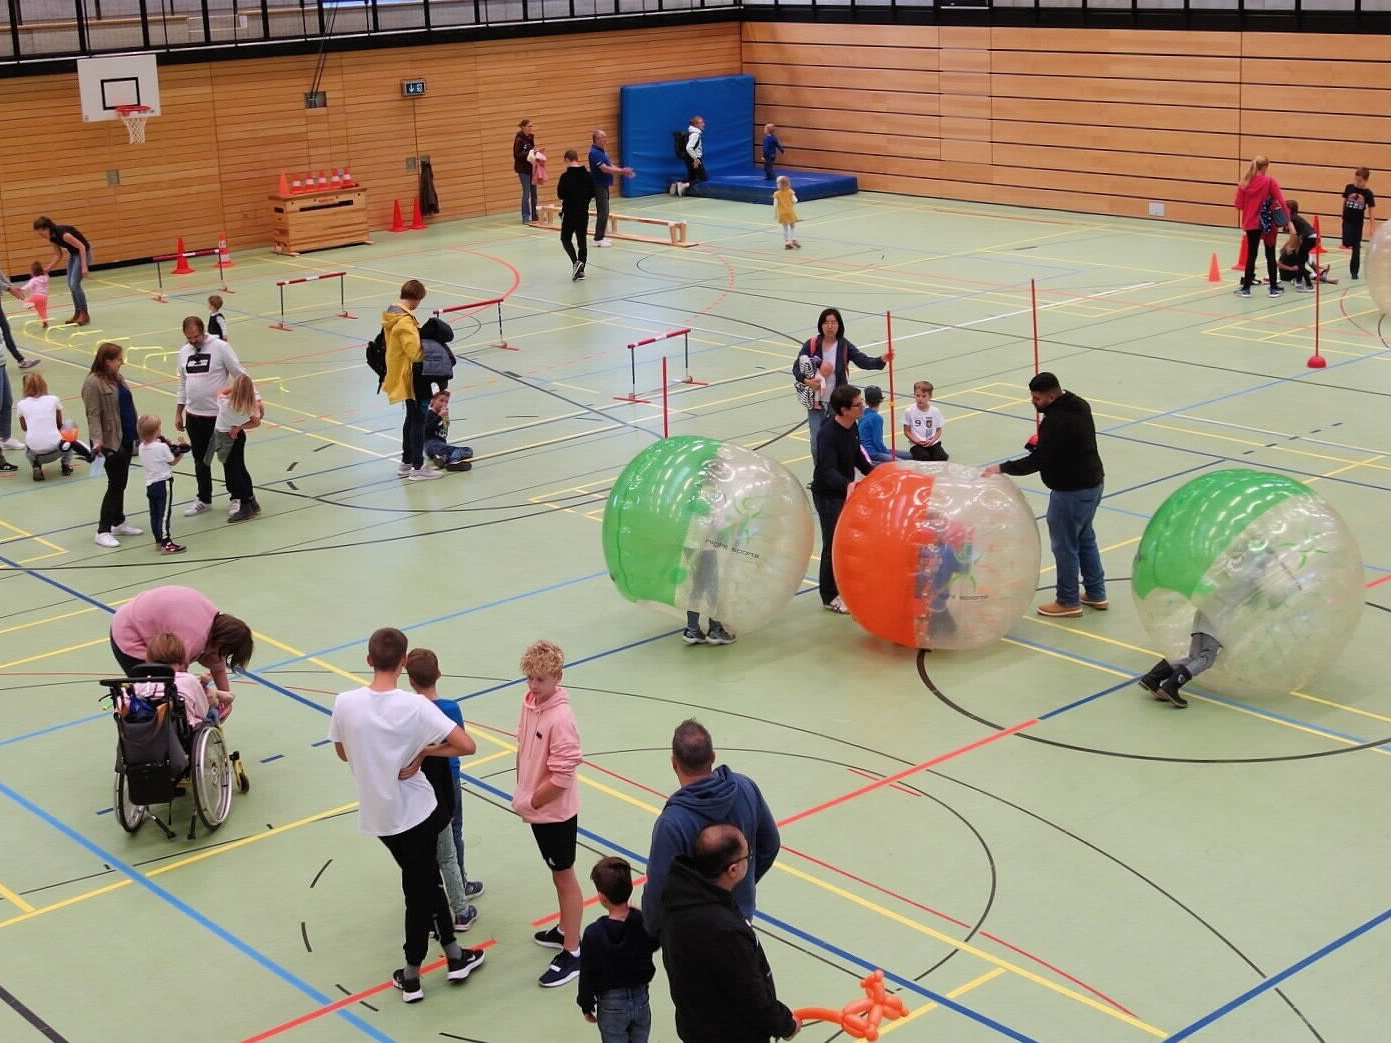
(785, 210)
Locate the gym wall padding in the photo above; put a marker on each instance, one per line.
(649, 112)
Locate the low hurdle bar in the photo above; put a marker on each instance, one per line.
(160, 297)
(342, 298)
(685, 334)
(501, 342)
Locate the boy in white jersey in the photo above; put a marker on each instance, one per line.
(922, 425)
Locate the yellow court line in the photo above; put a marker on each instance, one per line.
(47, 619)
(27, 535)
(1353, 466)
(308, 658)
(1341, 706)
(970, 949)
(955, 994)
(49, 655)
(1104, 550)
(1054, 653)
(10, 896)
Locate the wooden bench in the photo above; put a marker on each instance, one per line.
(550, 218)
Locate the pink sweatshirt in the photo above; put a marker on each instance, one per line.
(164, 610)
(548, 747)
(1250, 197)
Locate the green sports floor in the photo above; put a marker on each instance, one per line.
(1027, 845)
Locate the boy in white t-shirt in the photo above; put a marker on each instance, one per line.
(158, 458)
(922, 425)
(384, 734)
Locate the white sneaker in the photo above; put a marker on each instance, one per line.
(425, 474)
(15, 443)
(126, 529)
(601, 243)
(233, 506)
(196, 507)
(105, 539)
(838, 606)
(671, 189)
(404, 470)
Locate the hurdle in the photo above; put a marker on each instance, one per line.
(501, 342)
(181, 256)
(685, 334)
(342, 299)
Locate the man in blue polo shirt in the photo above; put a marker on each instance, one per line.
(602, 169)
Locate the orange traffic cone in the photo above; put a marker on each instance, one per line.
(397, 225)
(1240, 265)
(183, 267)
(323, 180)
(224, 255)
(417, 219)
(1214, 270)
(284, 189)
(1319, 248)
(296, 186)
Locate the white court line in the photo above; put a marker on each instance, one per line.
(1283, 436)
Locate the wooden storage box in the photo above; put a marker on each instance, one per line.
(318, 220)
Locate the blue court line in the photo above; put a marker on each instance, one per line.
(193, 914)
(587, 659)
(53, 728)
(797, 932)
(1283, 718)
(1086, 699)
(1276, 979)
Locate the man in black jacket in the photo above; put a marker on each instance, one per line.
(720, 981)
(837, 456)
(574, 190)
(1067, 460)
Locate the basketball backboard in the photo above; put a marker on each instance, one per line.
(122, 79)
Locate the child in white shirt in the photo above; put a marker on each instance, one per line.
(41, 420)
(239, 409)
(158, 458)
(922, 425)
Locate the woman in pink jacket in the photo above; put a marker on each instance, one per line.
(1256, 188)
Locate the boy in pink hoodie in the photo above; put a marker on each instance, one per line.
(547, 797)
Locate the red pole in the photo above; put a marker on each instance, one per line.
(1317, 361)
(893, 426)
(666, 409)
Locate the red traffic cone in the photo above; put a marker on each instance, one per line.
(183, 267)
(1214, 270)
(397, 225)
(417, 219)
(1240, 265)
(323, 180)
(348, 181)
(284, 189)
(296, 186)
(1319, 248)
(224, 255)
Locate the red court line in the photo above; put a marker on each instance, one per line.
(348, 1001)
(962, 924)
(1379, 582)
(870, 775)
(889, 780)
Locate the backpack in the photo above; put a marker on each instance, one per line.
(376, 357)
(438, 360)
(678, 143)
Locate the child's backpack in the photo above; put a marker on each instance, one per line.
(678, 143)
(376, 357)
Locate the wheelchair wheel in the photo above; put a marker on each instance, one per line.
(129, 815)
(211, 773)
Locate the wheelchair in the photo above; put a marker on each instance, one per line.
(158, 751)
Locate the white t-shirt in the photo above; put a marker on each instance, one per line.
(40, 422)
(158, 461)
(926, 424)
(381, 733)
(227, 417)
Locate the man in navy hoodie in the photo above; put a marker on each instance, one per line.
(708, 796)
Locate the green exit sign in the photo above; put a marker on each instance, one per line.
(413, 88)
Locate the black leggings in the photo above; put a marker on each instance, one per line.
(200, 433)
(113, 504)
(1253, 240)
(828, 509)
(574, 227)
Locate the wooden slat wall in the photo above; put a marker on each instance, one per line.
(229, 128)
(1098, 121)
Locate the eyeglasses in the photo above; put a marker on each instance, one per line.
(744, 858)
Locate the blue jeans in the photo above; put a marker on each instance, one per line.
(1070, 530)
(529, 211)
(79, 299)
(6, 403)
(816, 416)
(624, 1016)
(883, 458)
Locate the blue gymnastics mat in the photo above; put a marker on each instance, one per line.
(754, 188)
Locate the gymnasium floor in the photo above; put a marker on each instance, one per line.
(1025, 844)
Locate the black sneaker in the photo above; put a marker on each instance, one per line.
(472, 889)
(1243, 291)
(694, 636)
(468, 961)
(551, 939)
(579, 272)
(459, 465)
(718, 635)
(564, 968)
(1172, 684)
(6, 466)
(411, 992)
(1276, 291)
(1159, 673)
(463, 921)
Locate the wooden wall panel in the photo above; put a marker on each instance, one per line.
(229, 128)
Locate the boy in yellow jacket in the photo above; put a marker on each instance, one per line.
(403, 351)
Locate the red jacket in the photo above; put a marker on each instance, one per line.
(1250, 197)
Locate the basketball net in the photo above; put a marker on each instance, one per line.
(134, 117)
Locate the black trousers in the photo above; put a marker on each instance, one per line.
(828, 509)
(1352, 238)
(200, 433)
(161, 497)
(234, 472)
(571, 228)
(426, 904)
(413, 435)
(113, 504)
(1254, 237)
(601, 211)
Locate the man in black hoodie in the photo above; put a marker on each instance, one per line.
(1067, 460)
(720, 981)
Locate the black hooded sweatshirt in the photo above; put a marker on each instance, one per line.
(1066, 457)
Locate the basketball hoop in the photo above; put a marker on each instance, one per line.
(134, 117)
